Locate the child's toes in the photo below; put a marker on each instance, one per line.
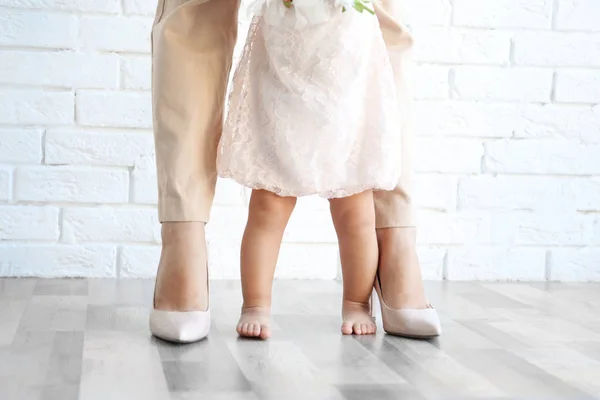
(265, 331)
(244, 329)
(252, 321)
(347, 328)
(364, 329)
(357, 329)
(256, 330)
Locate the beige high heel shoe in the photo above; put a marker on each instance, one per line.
(411, 323)
(180, 326)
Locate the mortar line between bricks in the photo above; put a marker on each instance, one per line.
(482, 167)
(130, 187)
(75, 104)
(71, 89)
(80, 128)
(501, 29)
(77, 167)
(36, 49)
(541, 66)
(120, 75)
(451, 84)
(105, 205)
(530, 174)
(112, 91)
(451, 16)
(555, 6)
(59, 11)
(511, 53)
(61, 213)
(445, 266)
(553, 87)
(547, 266)
(567, 31)
(11, 186)
(442, 63)
(135, 17)
(459, 180)
(510, 29)
(118, 261)
(43, 147)
(41, 242)
(127, 53)
(500, 67)
(516, 103)
(36, 88)
(511, 136)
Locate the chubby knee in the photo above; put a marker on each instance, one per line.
(353, 217)
(356, 221)
(270, 209)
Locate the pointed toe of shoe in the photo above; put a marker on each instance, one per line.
(414, 323)
(180, 327)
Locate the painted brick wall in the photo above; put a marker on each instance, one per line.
(508, 152)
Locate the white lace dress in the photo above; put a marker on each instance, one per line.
(312, 108)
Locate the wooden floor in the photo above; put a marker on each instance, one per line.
(79, 339)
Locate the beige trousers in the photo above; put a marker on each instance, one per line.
(192, 49)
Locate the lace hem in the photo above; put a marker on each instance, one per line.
(326, 194)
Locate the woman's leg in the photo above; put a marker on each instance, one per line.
(354, 221)
(192, 49)
(399, 267)
(267, 218)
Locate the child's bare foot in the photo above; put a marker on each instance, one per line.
(255, 322)
(356, 319)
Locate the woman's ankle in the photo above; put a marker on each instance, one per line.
(181, 282)
(178, 233)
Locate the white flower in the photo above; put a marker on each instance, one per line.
(347, 4)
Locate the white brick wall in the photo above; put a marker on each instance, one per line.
(507, 157)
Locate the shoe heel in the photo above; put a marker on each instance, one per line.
(375, 307)
(412, 323)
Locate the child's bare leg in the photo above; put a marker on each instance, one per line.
(354, 220)
(267, 219)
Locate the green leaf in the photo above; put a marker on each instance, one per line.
(361, 5)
